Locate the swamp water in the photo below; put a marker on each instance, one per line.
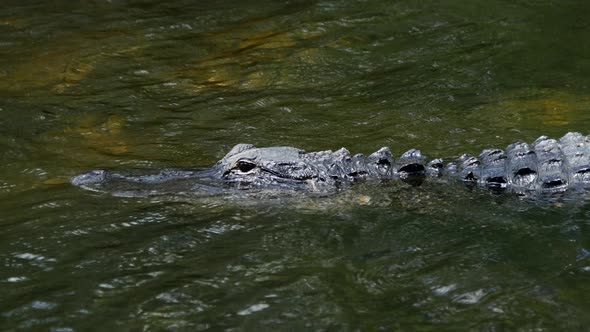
(149, 85)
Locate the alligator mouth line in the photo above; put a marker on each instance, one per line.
(283, 176)
(276, 175)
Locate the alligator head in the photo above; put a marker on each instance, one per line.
(249, 167)
(246, 166)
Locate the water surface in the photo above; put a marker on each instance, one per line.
(150, 85)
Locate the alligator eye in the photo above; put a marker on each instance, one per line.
(245, 166)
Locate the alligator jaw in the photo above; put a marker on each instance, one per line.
(167, 182)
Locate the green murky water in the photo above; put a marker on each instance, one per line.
(150, 84)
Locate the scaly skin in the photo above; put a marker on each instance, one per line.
(545, 165)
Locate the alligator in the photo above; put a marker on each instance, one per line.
(546, 165)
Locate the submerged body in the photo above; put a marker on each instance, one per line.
(545, 165)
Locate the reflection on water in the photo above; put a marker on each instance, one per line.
(153, 85)
(542, 108)
(105, 135)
